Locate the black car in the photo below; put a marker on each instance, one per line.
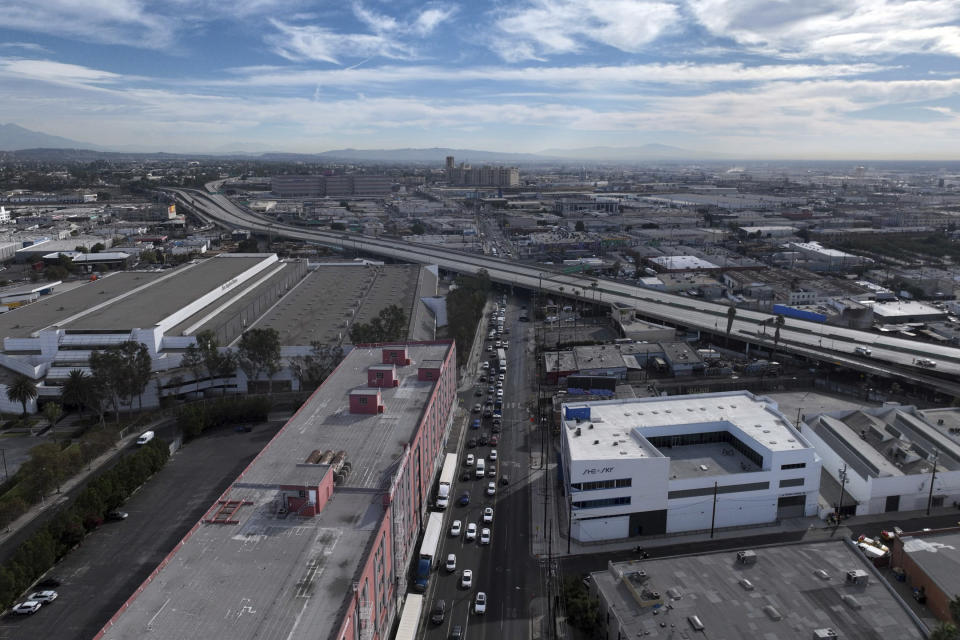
(471, 443)
(439, 612)
(482, 441)
(457, 633)
(466, 476)
(48, 583)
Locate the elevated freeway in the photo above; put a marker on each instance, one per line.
(890, 356)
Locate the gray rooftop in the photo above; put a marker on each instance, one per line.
(328, 300)
(936, 554)
(50, 310)
(784, 583)
(274, 575)
(166, 295)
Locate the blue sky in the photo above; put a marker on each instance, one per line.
(752, 78)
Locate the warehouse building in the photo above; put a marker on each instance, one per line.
(683, 463)
(823, 590)
(314, 538)
(883, 459)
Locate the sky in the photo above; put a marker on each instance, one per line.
(806, 79)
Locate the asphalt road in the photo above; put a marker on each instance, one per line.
(503, 570)
(114, 560)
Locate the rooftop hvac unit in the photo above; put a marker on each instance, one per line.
(747, 557)
(858, 576)
(578, 431)
(824, 634)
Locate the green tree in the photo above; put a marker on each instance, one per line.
(122, 372)
(77, 390)
(780, 322)
(945, 631)
(313, 368)
(97, 248)
(955, 608)
(81, 249)
(250, 245)
(22, 390)
(418, 229)
(192, 360)
(259, 352)
(390, 324)
(52, 412)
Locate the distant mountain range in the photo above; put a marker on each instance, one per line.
(36, 144)
(14, 137)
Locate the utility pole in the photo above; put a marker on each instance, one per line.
(713, 518)
(843, 484)
(933, 476)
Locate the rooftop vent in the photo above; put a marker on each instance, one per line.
(772, 613)
(823, 575)
(596, 442)
(851, 601)
(746, 584)
(578, 431)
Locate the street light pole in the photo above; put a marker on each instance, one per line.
(843, 484)
(933, 476)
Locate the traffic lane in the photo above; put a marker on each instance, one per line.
(99, 575)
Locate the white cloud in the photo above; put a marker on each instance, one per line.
(309, 42)
(834, 28)
(430, 19)
(597, 77)
(56, 72)
(108, 21)
(540, 28)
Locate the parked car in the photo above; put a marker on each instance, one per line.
(476, 423)
(469, 461)
(494, 440)
(116, 514)
(26, 608)
(493, 454)
(471, 443)
(48, 583)
(482, 441)
(476, 408)
(44, 597)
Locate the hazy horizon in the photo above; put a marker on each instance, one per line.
(863, 79)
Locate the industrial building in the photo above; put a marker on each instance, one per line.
(821, 590)
(485, 176)
(314, 539)
(314, 186)
(931, 567)
(883, 459)
(45, 337)
(683, 463)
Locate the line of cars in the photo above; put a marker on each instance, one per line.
(37, 599)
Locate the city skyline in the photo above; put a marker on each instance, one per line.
(862, 79)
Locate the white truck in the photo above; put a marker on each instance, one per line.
(447, 475)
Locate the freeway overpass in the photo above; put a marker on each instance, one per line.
(891, 357)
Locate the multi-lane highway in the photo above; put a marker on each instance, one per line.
(890, 356)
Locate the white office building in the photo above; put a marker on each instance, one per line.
(683, 463)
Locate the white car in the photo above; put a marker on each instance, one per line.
(472, 531)
(501, 377)
(485, 536)
(506, 344)
(26, 608)
(456, 528)
(500, 393)
(469, 459)
(466, 581)
(452, 562)
(44, 597)
(486, 365)
(480, 604)
(493, 454)
(487, 515)
(491, 488)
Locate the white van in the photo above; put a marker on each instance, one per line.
(145, 437)
(481, 470)
(864, 351)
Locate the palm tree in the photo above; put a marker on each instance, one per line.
(76, 390)
(731, 314)
(23, 390)
(776, 334)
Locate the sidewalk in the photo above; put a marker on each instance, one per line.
(55, 500)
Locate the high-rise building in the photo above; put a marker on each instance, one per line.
(485, 176)
(311, 186)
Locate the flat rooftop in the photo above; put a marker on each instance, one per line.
(785, 585)
(166, 295)
(625, 421)
(51, 310)
(325, 303)
(935, 553)
(273, 574)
